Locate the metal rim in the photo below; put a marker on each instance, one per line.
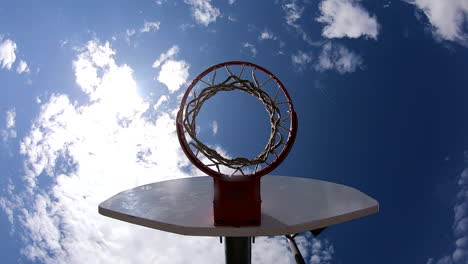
(263, 171)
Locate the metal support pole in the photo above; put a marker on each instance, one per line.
(238, 250)
(297, 254)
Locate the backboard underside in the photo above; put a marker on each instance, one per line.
(289, 205)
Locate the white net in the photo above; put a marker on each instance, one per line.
(276, 105)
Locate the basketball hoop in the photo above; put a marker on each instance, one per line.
(237, 200)
(283, 123)
(184, 206)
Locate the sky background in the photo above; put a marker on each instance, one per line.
(89, 92)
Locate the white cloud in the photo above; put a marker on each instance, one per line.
(165, 56)
(446, 17)
(129, 35)
(460, 224)
(161, 100)
(251, 47)
(266, 34)
(203, 11)
(93, 151)
(130, 32)
(214, 127)
(150, 26)
(10, 121)
(186, 26)
(346, 18)
(5, 205)
(232, 18)
(7, 53)
(10, 118)
(301, 59)
(293, 13)
(339, 58)
(22, 67)
(232, 2)
(174, 74)
(63, 43)
(322, 251)
(98, 75)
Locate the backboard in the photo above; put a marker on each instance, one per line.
(289, 205)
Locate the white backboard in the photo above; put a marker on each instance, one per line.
(289, 205)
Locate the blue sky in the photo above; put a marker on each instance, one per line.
(89, 91)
